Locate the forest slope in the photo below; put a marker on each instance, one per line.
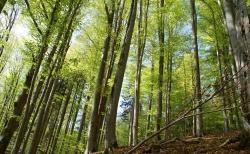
(210, 144)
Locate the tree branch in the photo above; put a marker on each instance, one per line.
(185, 114)
(32, 17)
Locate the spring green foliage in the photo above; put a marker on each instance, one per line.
(84, 55)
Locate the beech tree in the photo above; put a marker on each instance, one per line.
(104, 76)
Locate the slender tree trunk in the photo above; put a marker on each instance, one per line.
(10, 94)
(66, 103)
(221, 73)
(111, 140)
(142, 32)
(151, 95)
(69, 118)
(115, 45)
(161, 67)
(198, 99)
(130, 125)
(82, 124)
(40, 121)
(168, 90)
(193, 101)
(92, 143)
(13, 122)
(76, 112)
(54, 121)
(225, 114)
(137, 79)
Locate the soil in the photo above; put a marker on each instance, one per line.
(209, 144)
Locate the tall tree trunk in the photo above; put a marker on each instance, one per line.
(66, 103)
(54, 121)
(40, 121)
(76, 112)
(168, 89)
(130, 125)
(151, 95)
(237, 22)
(81, 129)
(92, 143)
(221, 73)
(198, 99)
(110, 139)
(69, 118)
(82, 124)
(115, 45)
(13, 122)
(142, 32)
(161, 67)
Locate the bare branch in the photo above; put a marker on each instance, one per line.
(185, 114)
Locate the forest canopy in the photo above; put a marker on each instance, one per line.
(82, 76)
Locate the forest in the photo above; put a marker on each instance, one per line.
(124, 76)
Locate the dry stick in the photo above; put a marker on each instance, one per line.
(181, 117)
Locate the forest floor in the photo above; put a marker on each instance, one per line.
(207, 144)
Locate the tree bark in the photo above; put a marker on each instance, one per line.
(115, 45)
(237, 22)
(161, 67)
(76, 112)
(198, 99)
(82, 124)
(13, 122)
(40, 121)
(54, 120)
(66, 103)
(92, 143)
(169, 88)
(221, 73)
(110, 139)
(142, 32)
(151, 95)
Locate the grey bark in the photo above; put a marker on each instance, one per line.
(161, 67)
(92, 143)
(237, 22)
(199, 122)
(142, 32)
(110, 139)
